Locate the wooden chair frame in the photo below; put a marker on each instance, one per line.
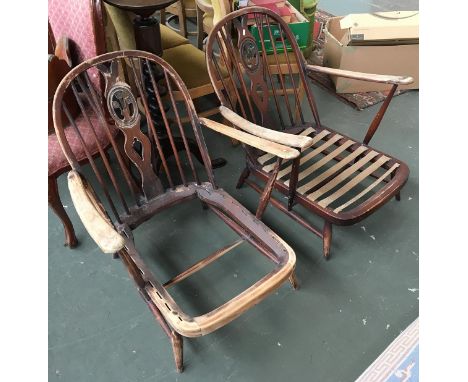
(133, 199)
(246, 101)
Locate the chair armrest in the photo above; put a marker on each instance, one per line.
(92, 215)
(383, 78)
(286, 139)
(62, 50)
(273, 148)
(204, 5)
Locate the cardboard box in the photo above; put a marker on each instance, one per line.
(381, 43)
(300, 29)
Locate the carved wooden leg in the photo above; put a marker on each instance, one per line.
(200, 33)
(56, 204)
(245, 174)
(293, 280)
(327, 238)
(178, 349)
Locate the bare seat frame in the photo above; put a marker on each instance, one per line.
(134, 192)
(264, 95)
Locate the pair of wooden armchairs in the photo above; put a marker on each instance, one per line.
(308, 162)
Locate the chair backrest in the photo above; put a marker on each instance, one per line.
(77, 21)
(142, 170)
(259, 79)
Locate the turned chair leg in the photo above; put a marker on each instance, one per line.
(200, 33)
(56, 204)
(178, 349)
(245, 174)
(327, 238)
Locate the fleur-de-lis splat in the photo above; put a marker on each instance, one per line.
(123, 109)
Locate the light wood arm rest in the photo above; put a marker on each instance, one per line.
(281, 151)
(204, 5)
(62, 50)
(386, 79)
(90, 211)
(262, 132)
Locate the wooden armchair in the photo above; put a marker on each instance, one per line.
(72, 38)
(144, 181)
(341, 180)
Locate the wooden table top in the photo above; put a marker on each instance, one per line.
(140, 5)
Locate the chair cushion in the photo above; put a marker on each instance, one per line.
(171, 39)
(189, 63)
(57, 160)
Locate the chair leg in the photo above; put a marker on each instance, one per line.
(265, 196)
(182, 19)
(327, 238)
(178, 350)
(397, 195)
(293, 182)
(245, 174)
(56, 204)
(200, 34)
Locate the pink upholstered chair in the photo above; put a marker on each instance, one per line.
(75, 23)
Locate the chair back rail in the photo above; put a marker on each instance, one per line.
(143, 171)
(260, 85)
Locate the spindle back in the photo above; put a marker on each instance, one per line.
(267, 81)
(141, 166)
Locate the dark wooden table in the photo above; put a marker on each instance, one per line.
(148, 38)
(146, 27)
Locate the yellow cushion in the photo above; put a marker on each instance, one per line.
(189, 63)
(171, 39)
(123, 26)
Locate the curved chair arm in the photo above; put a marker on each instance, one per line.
(268, 146)
(383, 78)
(286, 139)
(92, 215)
(205, 6)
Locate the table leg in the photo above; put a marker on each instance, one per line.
(148, 38)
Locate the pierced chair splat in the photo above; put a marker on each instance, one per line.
(336, 177)
(143, 180)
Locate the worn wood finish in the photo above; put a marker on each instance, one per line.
(382, 78)
(143, 182)
(336, 177)
(93, 216)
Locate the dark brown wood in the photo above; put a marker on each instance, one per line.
(327, 237)
(266, 194)
(56, 204)
(120, 212)
(378, 117)
(357, 181)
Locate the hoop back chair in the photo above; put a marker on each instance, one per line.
(336, 177)
(143, 182)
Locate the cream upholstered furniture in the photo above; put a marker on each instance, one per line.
(135, 190)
